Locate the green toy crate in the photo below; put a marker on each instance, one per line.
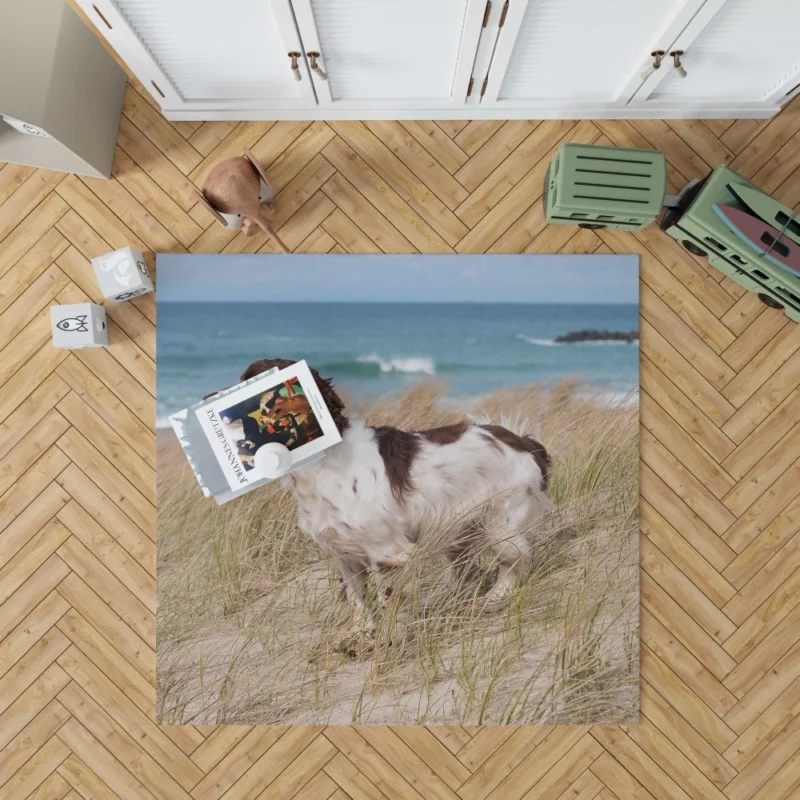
(605, 187)
(702, 232)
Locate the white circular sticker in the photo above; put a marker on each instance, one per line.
(272, 460)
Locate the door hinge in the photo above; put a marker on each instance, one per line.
(486, 13)
(469, 88)
(503, 15)
(485, 83)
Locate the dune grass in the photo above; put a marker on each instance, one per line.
(252, 627)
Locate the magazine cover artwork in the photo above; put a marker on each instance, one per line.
(283, 407)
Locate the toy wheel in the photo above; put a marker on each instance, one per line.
(769, 301)
(693, 248)
(592, 226)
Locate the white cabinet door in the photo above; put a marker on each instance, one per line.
(748, 51)
(390, 54)
(562, 53)
(206, 54)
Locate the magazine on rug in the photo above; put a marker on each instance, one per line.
(222, 435)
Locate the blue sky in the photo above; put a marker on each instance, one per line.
(400, 278)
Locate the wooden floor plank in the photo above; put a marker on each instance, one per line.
(495, 219)
(689, 705)
(119, 743)
(298, 153)
(30, 267)
(31, 629)
(152, 197)
(437, 143)
(34, 663)
(229, 769)
(769, 614)
(384, 198)
(685, 413)
(160, 132)
(125, 590)
(12, 176)
(419, 161)
(32, 592)
(706, 762)
(685, 557)
(37, 769)
(107, 514)
(435, 213)
(94, 770)
(111, 445)
(376, 227)
(509, 172)
(32, 731)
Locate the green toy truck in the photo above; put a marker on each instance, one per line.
(696, 225)
(610, 187)
(605, 187)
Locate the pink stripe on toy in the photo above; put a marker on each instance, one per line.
(763, 238)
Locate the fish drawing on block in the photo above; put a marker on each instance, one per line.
(763, 238)
(77, 324)
(769, 209)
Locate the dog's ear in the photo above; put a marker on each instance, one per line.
(216, 391)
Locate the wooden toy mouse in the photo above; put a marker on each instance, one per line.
(233, 189)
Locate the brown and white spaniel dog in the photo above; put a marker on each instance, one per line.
(367, 500)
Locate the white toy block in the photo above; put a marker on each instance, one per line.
(122, 274)
(79, 325)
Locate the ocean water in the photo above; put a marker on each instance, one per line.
(376, 348)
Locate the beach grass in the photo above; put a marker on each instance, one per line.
(253, 629)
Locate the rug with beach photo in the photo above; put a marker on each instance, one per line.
(253, 625)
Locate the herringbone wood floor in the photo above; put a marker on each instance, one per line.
(720, 546)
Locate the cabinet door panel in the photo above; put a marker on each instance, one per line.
(229, 53)
(390, 52)
(747, 52)
(580, 50)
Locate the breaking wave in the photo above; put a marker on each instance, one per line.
(413, 364)
(374, 365)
